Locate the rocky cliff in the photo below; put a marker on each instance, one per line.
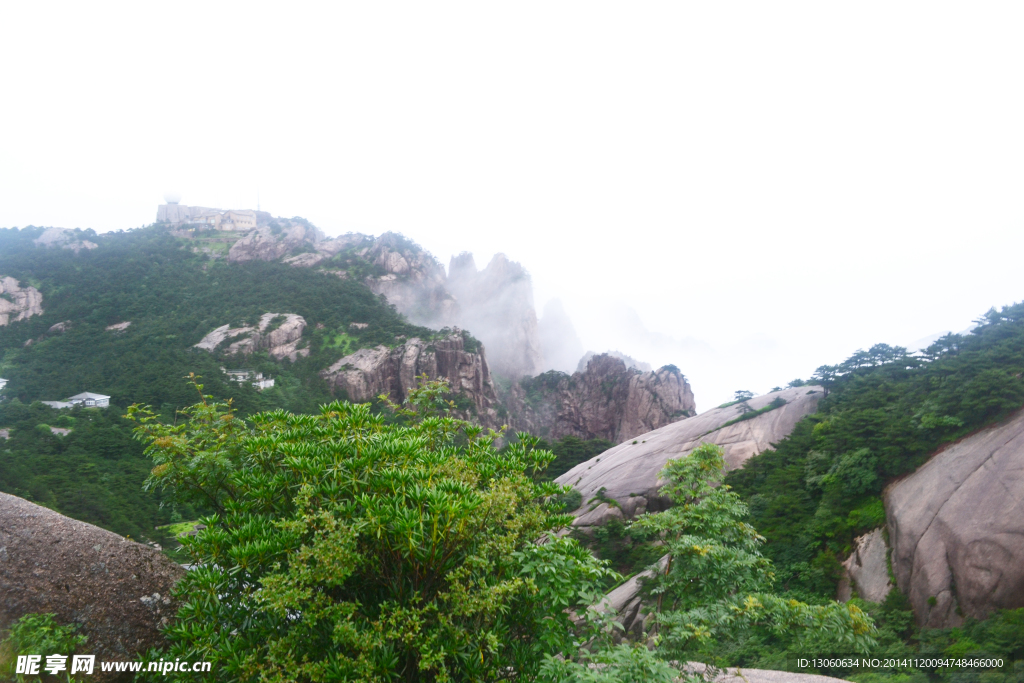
(280, 334)
(276, 242)
(63, 238)
(496, 304)
(17, 302)
(956, 526)
(117, 590)
(629, 473)
(368, 373)
(606, 400)
(412, 280)
(866, 569)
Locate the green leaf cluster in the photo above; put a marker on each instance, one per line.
(345, 546)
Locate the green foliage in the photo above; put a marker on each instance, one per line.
(347, 548)
(173, 297)
(714, 595)
(537, 388)
(885, 413)
(95, 473)
(39, 634)
(716, 590)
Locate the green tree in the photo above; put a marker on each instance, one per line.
(716, 589)
(717, 585)
(348, 547)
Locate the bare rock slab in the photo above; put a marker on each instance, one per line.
(957, 528)
(632, 469)
(116, 589)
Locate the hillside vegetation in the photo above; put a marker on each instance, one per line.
(885, 413)
(172, 297)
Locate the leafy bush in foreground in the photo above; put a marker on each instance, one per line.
(345, 548)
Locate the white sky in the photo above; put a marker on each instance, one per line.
(769, 186)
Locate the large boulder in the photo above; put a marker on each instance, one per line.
(957, 527)
(117, 590)
(630, 472)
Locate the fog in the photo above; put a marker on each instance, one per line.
(745, 190)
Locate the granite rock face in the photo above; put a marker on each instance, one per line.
(368, 373)
(280, 334)
(268, 244)
(957, 528)
(117, 590)
(17, 302)
(606, 400)
(63, 238)
(866, 569)
(629, 472)
(413, 281)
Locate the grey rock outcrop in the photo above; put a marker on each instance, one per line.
(630, 362)
(630, 472)
(268, 244)
(957, 528)
(63, 238)
(17, 302)
(368, 373)
(607, 400)
(866, 569)
(280, 334)
(117, 590)
(413, 281)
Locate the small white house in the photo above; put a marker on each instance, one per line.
(3, 383)
(257, 378)
(89, 400)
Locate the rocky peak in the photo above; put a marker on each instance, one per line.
(630, 362)
(17, 302)
(496, 303)
(606, 400)
(368, 373)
